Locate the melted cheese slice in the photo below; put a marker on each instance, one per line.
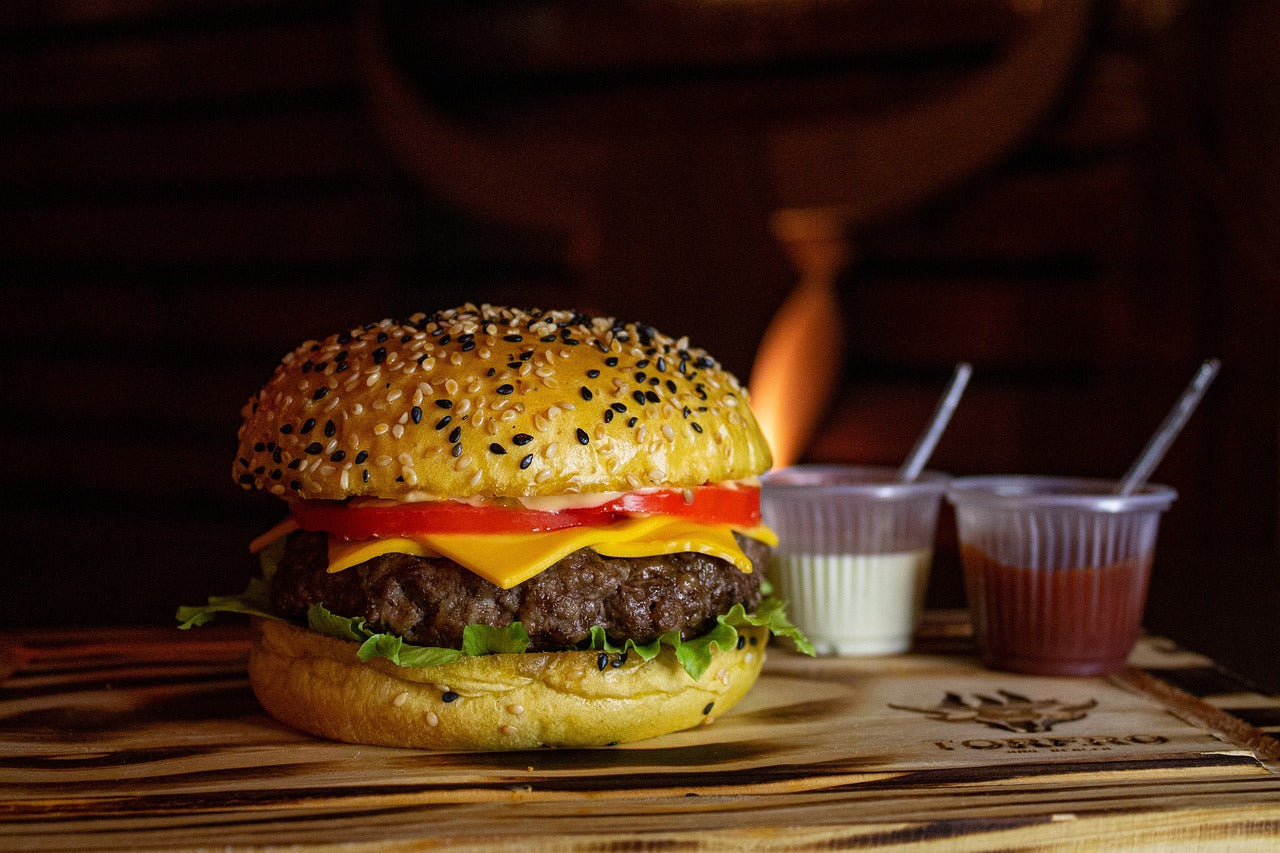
(507, 559)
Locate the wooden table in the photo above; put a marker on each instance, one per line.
(151, 738)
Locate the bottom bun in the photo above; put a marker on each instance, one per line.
(495, 702)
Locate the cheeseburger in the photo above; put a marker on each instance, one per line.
(506, 529)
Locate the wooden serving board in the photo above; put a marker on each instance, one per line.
(150, 738)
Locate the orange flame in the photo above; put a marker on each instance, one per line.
(797, 365)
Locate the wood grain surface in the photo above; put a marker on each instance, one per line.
(149, 738)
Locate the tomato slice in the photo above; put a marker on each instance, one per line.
(708, 504)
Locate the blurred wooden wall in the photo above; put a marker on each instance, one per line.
(193, 187)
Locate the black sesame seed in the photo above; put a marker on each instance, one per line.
(632, 421)
(653, 380)
(505, 388)
(707, 709)
(662, 365)
(468, 346)
(415, 414)
(573, 342)
(526, 461)
(491, 371)
(448, 696)
(444, 422)
(697, 427)
(286, 428)
(259, 446)
(342, 366)
(644, 362)
(379, 355)
(295, 464)
(513, 339)
(755, 641)
(611, 361)
(457, 451)
(382, 337)
(330, 428)
(546, 339)
(455, 434)
(671, 386)
(320, 394)
(361, 457)
(466, 339)
(445, 339)
(608, 415)
(315, 447)
(514, 365)
(260, 470)
(641, 376)
(276, 456)
(593, 374)
(526, 355)
(585, 392)
(583, 438)
(277, 474)
(404, 339)
(619, 408)
(338, 456)
(652, 397)
(742, 640)
(306, 367)
(364, 475)
(602, 661)
(308, 425)
(638, 396)
(445, 404)
(246, 479)
(497, 449)
(295, 485)
(520, 439)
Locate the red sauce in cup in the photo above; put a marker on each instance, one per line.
(1076, 621)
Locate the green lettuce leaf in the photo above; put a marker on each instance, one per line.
(695, 654)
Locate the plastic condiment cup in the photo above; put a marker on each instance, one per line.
(1056, 569)
(854, 552)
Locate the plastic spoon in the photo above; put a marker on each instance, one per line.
(928, 440)
(1136, 477)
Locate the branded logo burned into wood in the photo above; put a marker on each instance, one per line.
(1011, 712)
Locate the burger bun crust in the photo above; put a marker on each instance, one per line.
(494, 702)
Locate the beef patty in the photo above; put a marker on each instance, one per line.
(428, 601)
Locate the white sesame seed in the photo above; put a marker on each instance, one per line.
(404, 418)
(379, 429)
(551, 449)
(344, 480)
(515, 709)
(372, 379)
(474, 386)
(543, 371)
(383, 461)
(475, 478)
(451, 386)
(416, 399)
(525, 367)
(357, 409)
(483, 352)
(656, 476)
(641, 432)
(543, 476)
(668, 432)
(568, 407)
(400, 699)
(432, 719)
(508, 730)
(456, 359)
(277, 489)
(397, 431)
(550, 382)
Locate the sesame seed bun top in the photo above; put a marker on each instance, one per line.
(496, 402)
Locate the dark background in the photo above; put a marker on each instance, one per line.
(192, 187)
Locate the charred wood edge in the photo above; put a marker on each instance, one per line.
(1200, 713)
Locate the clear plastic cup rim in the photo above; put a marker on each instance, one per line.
(1018, 491)
(875, 481)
